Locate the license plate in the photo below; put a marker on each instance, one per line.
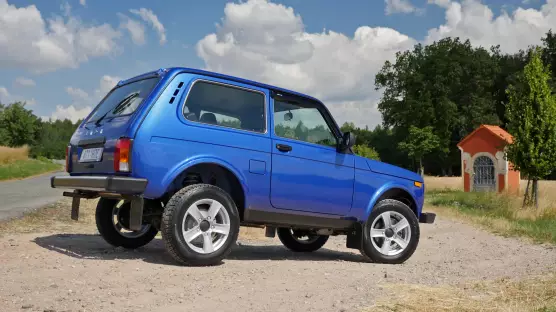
(91, 154)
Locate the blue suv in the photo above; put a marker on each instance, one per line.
(195, 155)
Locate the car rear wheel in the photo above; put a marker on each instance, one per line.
(200, 225)
(391, 233)
(301, 240)
(112, 219)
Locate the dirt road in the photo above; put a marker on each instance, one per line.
(79, 272)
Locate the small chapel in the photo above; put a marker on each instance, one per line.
(483, 161)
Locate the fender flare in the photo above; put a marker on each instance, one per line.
(204, 159)
(383, 189)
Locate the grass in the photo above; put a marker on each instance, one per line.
(26, 168)
(535, 294)
(16, 164)
(499, 213)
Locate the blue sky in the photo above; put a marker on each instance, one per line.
(53, 59)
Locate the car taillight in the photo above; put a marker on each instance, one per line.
(67, 157)
(122, 155)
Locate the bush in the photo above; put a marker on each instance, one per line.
(366, 151)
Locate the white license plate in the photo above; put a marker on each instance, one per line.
(91, 154)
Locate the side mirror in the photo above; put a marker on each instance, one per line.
(288, 116)
(348, 140)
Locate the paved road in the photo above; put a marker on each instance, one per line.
(20, 196)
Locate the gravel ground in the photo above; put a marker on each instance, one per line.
(80, 272)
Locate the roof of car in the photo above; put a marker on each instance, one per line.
(173, 70)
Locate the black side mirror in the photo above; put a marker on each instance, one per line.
(348, 140)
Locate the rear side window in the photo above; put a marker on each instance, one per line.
(227, 106)
(124, 100)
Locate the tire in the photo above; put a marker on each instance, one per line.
(289, 239)
(108, 228)
(402, 244)
(179, 214)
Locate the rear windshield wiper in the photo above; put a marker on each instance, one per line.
(118, 107)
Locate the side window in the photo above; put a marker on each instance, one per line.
(302, 123)
(226, 106)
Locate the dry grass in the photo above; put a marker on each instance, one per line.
(441, 183)
(53, 218)
(10, 155)
(533, 294)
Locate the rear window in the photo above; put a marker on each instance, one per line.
(124, 100)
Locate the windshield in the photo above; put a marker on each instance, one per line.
(124, 100)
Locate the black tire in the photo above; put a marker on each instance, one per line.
(172, 220)
(287, 238)
(370, 252)
(105, 225)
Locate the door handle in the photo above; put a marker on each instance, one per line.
(283, 147)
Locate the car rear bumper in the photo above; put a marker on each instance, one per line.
(104, 186)
(427, 217)
(108, 184)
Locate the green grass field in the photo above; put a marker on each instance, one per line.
(26, 168)
(500, 213)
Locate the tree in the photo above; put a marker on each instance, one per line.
(531, 114)
(447, 85)
(366, 151)
(419, 143)
(19, 125)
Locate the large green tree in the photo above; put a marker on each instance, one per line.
(19, 125)
(419, 142)
(447, 85)
(531, 115)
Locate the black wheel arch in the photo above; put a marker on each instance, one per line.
(214, 174)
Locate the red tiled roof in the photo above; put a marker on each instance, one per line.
(496, 130)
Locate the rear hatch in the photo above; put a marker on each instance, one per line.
(94, 145)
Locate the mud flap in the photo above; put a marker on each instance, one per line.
(136, 213)
(354, 237)
(75, 208)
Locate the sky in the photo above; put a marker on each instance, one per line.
(62, 56)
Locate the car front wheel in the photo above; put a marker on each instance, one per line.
(391, 233)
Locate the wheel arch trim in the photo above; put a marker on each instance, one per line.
(391, 187)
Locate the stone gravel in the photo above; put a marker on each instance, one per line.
(80, 272)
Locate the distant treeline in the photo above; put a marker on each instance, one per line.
(19, 126)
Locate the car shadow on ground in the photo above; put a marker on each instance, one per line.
(91, 246)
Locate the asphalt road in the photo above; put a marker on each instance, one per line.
(20, 196)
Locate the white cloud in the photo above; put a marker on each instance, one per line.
(441, 3)
(77, 94)
(66, 8)
(135, 29)
(4, 94)
(474, 20)
(105, 85)
(70, 112)
(267, 42)
(399, 6)
(151, 18)
(83, 2)
(30, 42)
(25, 82)
(7, 98)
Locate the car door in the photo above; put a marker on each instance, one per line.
(308, 174)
